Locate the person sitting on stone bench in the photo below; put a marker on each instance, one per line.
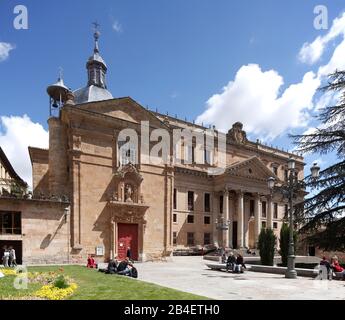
(91, 262)
(239, 264)
(231, 262)
(337, 268)
(324, 263)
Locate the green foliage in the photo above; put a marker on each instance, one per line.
(322, 212)
(267, 241)
(61, 282)
(284, 242)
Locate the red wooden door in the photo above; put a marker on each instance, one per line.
(127, 238)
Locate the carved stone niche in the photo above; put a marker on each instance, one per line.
(128, 184)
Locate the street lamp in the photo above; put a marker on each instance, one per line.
(289, 190)
(315, 171)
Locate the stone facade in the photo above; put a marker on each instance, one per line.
(83, 163)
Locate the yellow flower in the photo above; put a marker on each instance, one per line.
(8, 272)
(52, 293)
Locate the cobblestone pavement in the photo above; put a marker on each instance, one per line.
(190, 274)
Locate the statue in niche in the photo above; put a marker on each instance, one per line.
(128, 193)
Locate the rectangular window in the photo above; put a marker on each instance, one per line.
(127, 153)
(190, 200)
(275, 225)
(275, 211)
(207, 203)
(190, 238)
(190, 218)
(221, 204)
(263, 224)
(286, 211)
(10, 222)
(190, 155)
(174, 238)
(264, 209)
(207, 220)
(175, 217)
(207, 238)
(175, 198)
(252, 208)
(208, 159)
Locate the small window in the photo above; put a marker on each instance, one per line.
(190, 200)
(275, 211)
(174, 238)
(175, 217)
(207, 203)
(286, 211)
(190, 218)
(207, 238)
(207, 220)
(175, 198)
(286, 175)
(190, 238)
(264, 209)
(275, 225)
(10, 222)
(263, 224)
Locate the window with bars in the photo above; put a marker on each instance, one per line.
(207, 238)
(190, 238)
(174, 238)
(10, 222)
(207, 220)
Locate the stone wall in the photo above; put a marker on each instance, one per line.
(45, 232)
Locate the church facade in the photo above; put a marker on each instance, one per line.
(111, 198)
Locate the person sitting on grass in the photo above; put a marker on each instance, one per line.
(112, 266)
(124, 268)
(91, 262)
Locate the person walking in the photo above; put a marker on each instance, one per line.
(129, 253)
(6, 257)
(12, 257)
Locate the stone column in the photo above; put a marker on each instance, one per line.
(240, 219)
(231, 218)
(269, 212)
(257, 218)
(226, 217)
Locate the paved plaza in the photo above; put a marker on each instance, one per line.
(190, 274)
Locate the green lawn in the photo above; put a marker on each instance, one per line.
(93, 285)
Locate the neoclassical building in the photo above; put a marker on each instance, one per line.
(117, 199)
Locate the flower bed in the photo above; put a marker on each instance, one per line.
(53, 293)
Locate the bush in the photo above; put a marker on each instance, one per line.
(61, 282)
(284, 243)
(267, 241)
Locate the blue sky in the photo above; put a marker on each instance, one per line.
(171, 55)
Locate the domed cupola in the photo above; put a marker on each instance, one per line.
(96, 89)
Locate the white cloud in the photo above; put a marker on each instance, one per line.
(16, 134)
(312, 52)
(117, 27)
(5, 49)
(254, 98)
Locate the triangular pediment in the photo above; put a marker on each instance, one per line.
(125, 109)
(251, 168)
